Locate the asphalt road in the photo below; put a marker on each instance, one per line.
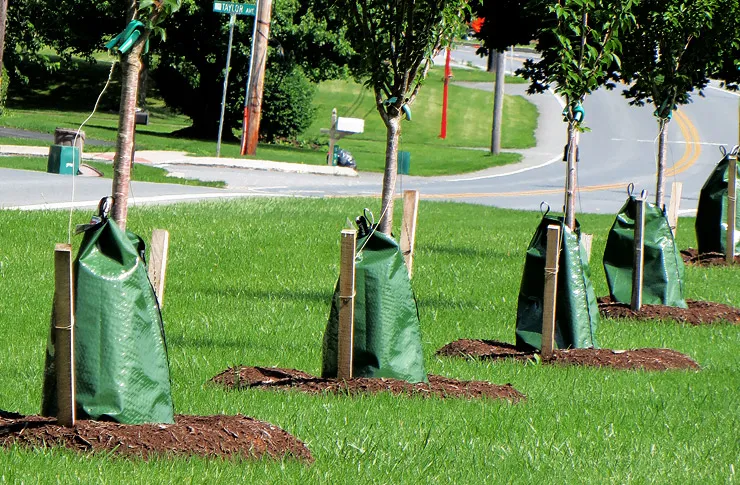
(619, 150)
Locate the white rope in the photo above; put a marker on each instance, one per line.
(74, 144)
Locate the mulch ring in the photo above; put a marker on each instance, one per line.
(698, 312)
(646, 359)
(691, 256)
(207, 436)
(276, 378)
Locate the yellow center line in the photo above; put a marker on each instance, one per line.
(689, 158)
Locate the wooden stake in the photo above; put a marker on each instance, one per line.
(551, 290)
(587, 240)
(731, 210)
(676, 188)
(64, 359)
(158, 262)
(408, 227)
(639, 258)
(346, 304)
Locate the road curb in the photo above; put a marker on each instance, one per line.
(164, 158)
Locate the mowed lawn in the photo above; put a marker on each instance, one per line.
(66, 99)
(250, 282)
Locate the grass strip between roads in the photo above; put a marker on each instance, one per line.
(139, 172)
(250, 282)
(465, 149)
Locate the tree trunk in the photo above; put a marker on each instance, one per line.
(498, 104)
(491, 64)
(143, 83)
(131, 67)
(570, 179)
(3, 21)
(662, 155)
(393, 132)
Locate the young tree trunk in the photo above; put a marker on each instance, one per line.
(131, 67)
(393, 132)
(498, 104)
(570, 178)
(662, 155)
(143, 83)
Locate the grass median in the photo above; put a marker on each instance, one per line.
(139, 172)
(65, 101)
(250, 282)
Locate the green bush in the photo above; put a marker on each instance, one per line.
(4, 83)
(287, 106)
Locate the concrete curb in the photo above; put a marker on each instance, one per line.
(164, 158)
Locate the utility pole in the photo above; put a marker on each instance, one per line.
(498, 104)
(253, 106)
(3, 21)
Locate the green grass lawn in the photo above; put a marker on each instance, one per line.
(250, 282)
(139, 172)
(74, 91)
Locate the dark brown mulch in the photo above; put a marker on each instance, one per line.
(698, 312)
(208, 436)
(647, 359)
(691, 256)
(276, 378)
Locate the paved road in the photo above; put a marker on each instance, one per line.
(620, 149)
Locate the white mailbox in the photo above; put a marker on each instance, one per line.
(350, 125)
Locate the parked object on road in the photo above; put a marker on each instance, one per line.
(343, 158)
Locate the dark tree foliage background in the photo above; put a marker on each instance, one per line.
(187, 67)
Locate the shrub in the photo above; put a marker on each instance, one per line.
(4, 83)
(287, 108)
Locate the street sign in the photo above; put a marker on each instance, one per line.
(234, 8)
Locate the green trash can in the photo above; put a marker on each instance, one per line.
(404, 163)
(63, 160)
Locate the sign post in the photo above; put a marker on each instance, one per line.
(233, 9)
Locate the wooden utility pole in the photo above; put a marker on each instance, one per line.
(3, 21)
(253, 108)
(64, 342)
(346, 329)
(498, 103)
(552, 257)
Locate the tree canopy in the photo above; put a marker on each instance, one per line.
(508, 23)
(675, 46)
(394, 44)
